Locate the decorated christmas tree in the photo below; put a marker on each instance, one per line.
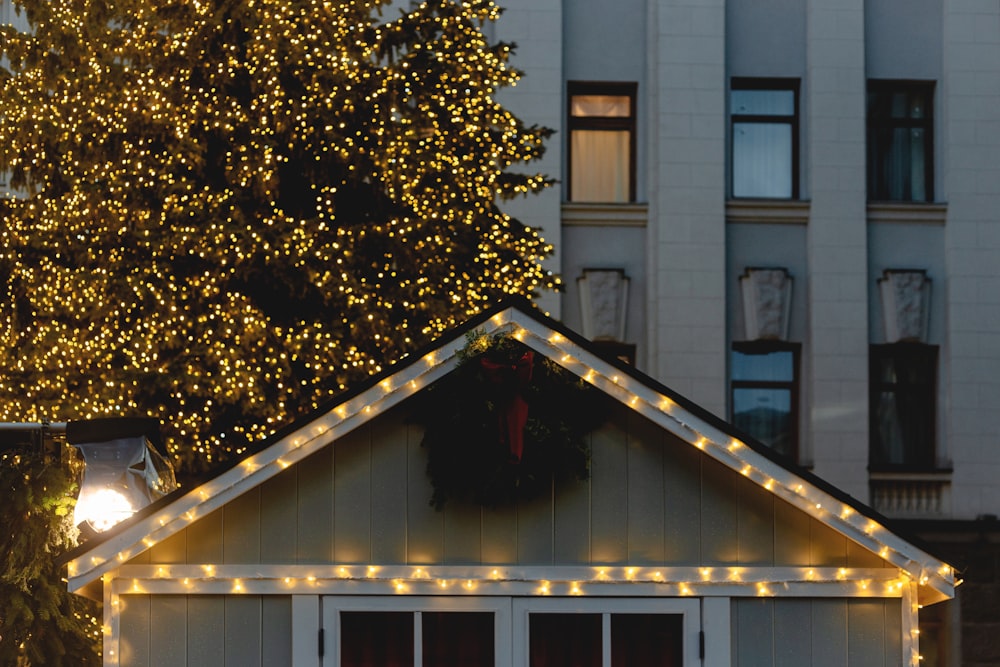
(231, 209)
(221, 212)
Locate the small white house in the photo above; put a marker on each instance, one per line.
(686, 544)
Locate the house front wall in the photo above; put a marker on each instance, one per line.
(658, 523)
(651, 500)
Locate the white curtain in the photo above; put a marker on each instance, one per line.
(600, 169)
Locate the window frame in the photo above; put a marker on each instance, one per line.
(620, 123)
(875, 124)
(688, 608)
(927, 460)
(777, 84)
(708, 616)
(333, 605)
(794, 386)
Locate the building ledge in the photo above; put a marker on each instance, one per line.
(902, 212)
(604, 215)
(786, 211)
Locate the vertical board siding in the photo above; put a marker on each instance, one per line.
(133, 646)
(241, 519)
(243, 631)
(791, 535)
(830, 636)
(793, 623)
(424, 525)
(571, 523)
(719, 502)
(535, 527)
(755, 525)
(314, 508)
(276, 630)
(278, 517)
(866, 633)
(753, 618)
(171, 550)
(822, 633)
(168, 621)
(204, 539)
(651, 499)
(828, 548)
(645, 518)
(682, 511)
(462, 534)
(609, 495)
(499, 535)
(206, 631)
(352, 497)
(389, 491)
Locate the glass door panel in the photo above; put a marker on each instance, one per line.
(565, 640)
(457, 639)
(376, 639)
(646, 640)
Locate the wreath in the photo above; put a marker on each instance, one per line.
(506, 424)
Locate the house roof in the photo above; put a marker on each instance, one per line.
(684, 419)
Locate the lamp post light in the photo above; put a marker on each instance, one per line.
(123, 470)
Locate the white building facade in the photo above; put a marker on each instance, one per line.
(804, 199)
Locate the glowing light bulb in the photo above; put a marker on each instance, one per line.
(102, 508)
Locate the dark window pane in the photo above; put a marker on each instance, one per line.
(771, 366)
(903, 406)
(900, 141)
(766, 414)
(457, 639)
(646, 640)
(762, 160)
(565, 640)
(763, 399)
(376, 639)
(763, 143)
(762, 102)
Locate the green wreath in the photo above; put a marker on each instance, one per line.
(506, 424)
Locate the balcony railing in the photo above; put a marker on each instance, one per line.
(911, 495)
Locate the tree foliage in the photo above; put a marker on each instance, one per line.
(233, 208)
(220, 213)
(41, 622)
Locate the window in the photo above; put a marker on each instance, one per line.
(903, 384)
(660, 632)
(765, 390)
(500, 631)
(447, 638)
(900, 141)
(765, 138)
(416, 631)
(601, 142)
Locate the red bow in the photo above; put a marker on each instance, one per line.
(514, 411)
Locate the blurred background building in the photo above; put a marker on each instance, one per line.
(792, 208)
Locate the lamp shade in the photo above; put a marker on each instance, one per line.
(123, 471)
